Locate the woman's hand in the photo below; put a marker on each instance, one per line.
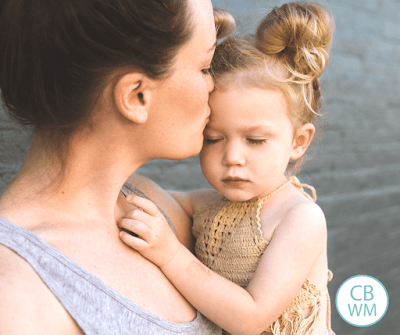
(155, 240)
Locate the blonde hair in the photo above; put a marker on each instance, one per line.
(224, 23)
(289, 51)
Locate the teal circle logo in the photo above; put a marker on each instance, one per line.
(362, 300)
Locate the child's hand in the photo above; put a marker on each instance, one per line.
(156, 241)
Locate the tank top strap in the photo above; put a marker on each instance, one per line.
(97, 308)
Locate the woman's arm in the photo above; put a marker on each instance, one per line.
(280, 274)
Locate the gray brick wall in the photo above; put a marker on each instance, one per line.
(356, 166)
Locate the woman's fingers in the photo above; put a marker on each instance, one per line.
(135, 226)
(147, 205)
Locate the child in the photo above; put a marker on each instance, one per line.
(261, 236)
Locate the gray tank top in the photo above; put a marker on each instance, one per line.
(95, 306)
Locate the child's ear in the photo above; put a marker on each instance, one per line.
(302, 140)
(132, 97)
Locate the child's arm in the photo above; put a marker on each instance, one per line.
(193, 201)
(182, 222)
(280, 274)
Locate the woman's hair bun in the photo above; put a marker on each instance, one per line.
(300, 36)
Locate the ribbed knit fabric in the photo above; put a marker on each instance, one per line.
(96, 307)
(229, 241)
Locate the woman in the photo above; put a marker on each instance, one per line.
(107, 86)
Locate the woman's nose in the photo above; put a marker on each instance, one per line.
(234, 155)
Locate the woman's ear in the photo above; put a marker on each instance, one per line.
(302, 140)
(132, 97)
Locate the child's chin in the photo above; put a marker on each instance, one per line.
(237, 197)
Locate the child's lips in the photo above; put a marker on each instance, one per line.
(235, 181)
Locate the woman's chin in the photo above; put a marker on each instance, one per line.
(186, 153)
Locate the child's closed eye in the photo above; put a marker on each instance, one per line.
(212, 140)
(256, 140)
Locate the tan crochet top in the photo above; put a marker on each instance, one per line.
(229, 241)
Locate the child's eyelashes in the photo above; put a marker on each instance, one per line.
(212, 140)
(256, 141)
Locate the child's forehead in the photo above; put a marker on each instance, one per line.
(248, 109)
(247, 95)
(263, 128)
(268, 73)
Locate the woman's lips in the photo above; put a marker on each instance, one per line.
(234, 181)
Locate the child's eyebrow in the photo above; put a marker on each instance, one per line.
(263, 128)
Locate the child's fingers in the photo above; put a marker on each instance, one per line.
(134, 226)
(132, 241)
(139, 215)
(147, 205)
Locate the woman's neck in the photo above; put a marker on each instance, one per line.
(85, 191)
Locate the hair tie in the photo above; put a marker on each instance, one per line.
(275, 10)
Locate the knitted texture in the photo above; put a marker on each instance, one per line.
(229, 241)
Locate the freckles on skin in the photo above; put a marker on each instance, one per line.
(199, 271)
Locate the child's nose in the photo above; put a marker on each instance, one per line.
(234, 155)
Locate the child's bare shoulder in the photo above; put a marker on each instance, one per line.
(296, 216)
(304, 217)
(305, 213)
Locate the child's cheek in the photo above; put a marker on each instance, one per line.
(208, 164)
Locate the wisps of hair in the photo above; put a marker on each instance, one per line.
(299, 35)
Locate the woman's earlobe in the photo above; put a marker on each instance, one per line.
(131, 97)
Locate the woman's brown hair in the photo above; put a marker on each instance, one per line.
(55, 54)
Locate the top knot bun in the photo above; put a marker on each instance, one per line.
(224, 23)
(300, 35)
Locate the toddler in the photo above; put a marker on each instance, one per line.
(261, 237)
